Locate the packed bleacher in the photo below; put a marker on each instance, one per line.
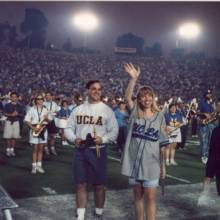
(27, 71)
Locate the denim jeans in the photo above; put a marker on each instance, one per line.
(205, 132)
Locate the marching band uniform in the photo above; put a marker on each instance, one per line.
(52, 108)
(34, 116)
(11, 127)
(173, 121)
(205, 130)
(37, 115)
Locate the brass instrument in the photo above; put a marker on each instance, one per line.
(39, 128)
(213, 117)
(170, 133)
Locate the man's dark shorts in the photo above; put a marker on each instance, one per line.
(51, 128)
(88, 168)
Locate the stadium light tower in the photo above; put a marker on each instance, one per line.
(87, 22)
(188, 31)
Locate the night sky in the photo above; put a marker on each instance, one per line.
(154, 21)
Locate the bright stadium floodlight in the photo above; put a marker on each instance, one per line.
(85, 21)
(189, 30)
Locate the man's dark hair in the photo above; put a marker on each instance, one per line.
(49, 92)
(13, 93)
(92, 82)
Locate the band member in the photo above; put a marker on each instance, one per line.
(11, 132)
(23, 112)
(181, 107)
(36, 119)
(174, 120)
(141, 158)
(77, 100)
(53, 108)
(91, 126)
(205, 129)
(62, 115)
(121, 116)
(193, 119)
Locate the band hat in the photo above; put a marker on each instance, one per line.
(207, 92)
(179, 100)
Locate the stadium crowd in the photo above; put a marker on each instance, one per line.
(28, 71)
(40, 87)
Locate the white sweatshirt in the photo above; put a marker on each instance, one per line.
(89, 117)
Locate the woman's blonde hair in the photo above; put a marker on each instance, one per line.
(144, 91)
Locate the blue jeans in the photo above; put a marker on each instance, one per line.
(205, 132)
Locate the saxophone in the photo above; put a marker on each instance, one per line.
(214, 117)
(39, 128)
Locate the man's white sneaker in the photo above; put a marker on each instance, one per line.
(167, 163)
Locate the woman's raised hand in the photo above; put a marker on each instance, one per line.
(132, 71)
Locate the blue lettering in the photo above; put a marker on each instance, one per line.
(150, 134)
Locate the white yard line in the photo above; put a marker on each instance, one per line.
(49, 190)
(176, 178)
(114, 159)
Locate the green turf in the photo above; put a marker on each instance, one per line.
(15, 173)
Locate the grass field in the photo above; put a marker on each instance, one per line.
(15, 173)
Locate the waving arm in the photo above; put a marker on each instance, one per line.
(134, 74)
